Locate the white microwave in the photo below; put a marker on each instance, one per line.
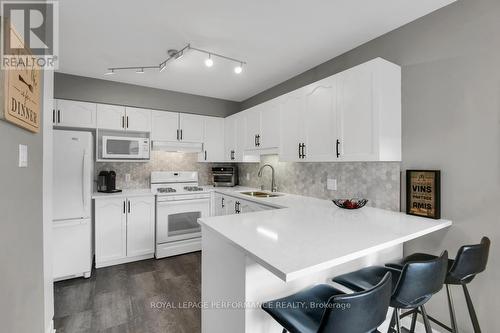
(116, 147)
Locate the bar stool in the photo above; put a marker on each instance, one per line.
(323, 309)
(469, 261)
(413, 285)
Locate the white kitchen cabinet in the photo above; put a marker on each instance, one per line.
(319, 119)
(252, 127)
(228, 205)
(213, 140)
(269, 124)
(369, 112)
(230, 138)
(352, 116)
(291, 128)
(111, 117)
(190, 127)
(74, 114)
(110, 230)
(262, 126)
(137, 119)
(164, 125)
(140, 226)
(124, 229)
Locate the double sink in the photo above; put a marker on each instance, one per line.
(259, 194)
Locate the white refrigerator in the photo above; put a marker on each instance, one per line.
(72, 199)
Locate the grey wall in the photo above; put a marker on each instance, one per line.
(87, 89)
(21, 234)
(451, 121)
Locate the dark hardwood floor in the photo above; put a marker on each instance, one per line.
(119, 298)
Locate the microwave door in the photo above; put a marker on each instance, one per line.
(120, 148)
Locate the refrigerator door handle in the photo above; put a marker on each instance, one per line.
(85, 181)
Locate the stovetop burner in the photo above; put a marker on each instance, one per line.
(193, 188)
(166, 190)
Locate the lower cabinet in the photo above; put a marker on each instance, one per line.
(124, 229)
(227, 205)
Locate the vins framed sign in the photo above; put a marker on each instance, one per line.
(423, 193)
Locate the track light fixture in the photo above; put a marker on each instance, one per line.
(177, 54)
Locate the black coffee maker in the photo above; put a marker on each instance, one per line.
(107, 182)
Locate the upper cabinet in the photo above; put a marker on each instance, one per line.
(213, 140)
(369, 112)
(164, 126)
(115, 117)
(351, 116)
(234, 140)
(138, 120)
(190, 127)
(262, 126)
(74, 114)
(111, 117)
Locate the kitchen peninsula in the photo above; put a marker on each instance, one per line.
(259, 256)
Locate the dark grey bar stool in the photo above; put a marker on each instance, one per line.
(413, 285)
(470, 261)
(325, 309)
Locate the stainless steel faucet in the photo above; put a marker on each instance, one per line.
(273, 184)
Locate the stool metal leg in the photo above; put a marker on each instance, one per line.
(413, 322)
(392, 323)
(427, 324)
(398, 321)
(451, 307)
(472, 312)
(284, 331)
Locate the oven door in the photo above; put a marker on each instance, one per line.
(178, 220)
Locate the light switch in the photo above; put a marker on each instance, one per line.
(23, 156)
(331, 184)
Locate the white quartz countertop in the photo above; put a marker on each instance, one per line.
(122, 194)
(308, 235)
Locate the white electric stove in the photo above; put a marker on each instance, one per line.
(179, 204)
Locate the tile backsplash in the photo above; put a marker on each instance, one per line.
(379, 182)
(160, 161)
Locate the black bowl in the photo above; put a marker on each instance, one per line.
(350, 203)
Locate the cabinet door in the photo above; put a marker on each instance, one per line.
(248, 207)
(252, 127)
(138, 119)
(270, 124)
(140, 226)
(355, 115)
(164, 125)
(320, 120)
(229, 205)
(240, 137)
(110, 117)
(213, 142)
(230, 138)
(191, 127)
(110, 229)
(75, 114)
(291, 127)
(219, 208)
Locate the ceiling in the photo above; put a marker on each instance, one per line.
(277, 38)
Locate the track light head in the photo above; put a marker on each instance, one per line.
(238, 69)
(209, 62)
(140, 71)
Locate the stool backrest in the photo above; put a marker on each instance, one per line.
(358, 312)
(419, 280)
(471, 260)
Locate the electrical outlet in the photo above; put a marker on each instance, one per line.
(331, 184)
(127, 177)
(23, 156)
(248, 176)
